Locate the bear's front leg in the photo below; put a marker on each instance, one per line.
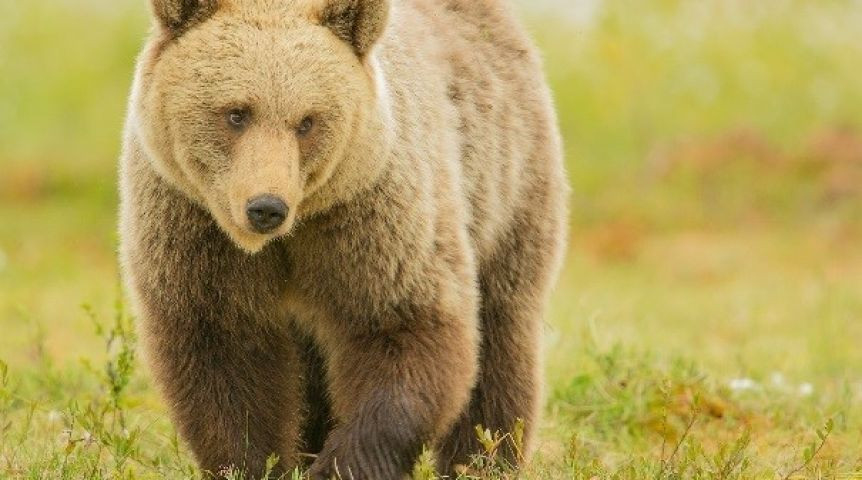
(226, 362)
(394, 390)
(233, 392)
(218, 343)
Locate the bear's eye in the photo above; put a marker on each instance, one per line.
(237, 118)
(305, 126)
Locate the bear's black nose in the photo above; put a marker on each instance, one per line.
(266, 213)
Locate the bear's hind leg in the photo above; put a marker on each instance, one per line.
(515, 284)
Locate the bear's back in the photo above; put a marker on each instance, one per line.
(474, 56)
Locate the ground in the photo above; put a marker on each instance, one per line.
(707, 320)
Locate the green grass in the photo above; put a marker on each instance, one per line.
(707, 321)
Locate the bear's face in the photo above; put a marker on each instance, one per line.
(251, 110)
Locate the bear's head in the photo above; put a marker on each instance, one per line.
(263, 111)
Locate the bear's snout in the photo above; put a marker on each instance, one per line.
(266, 213)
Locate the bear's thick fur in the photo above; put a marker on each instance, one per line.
(396, 296)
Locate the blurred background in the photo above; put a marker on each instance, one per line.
(714, 148)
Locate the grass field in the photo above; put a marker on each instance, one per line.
(708, 320)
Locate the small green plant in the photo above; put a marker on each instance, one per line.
(101, 421)
(235, 473)
(813, 449)
(732, 459)
(425, 468)
(85, 423)
(5, 400)
(490, 463)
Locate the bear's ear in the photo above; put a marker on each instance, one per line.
(360, 23)
(176, 16)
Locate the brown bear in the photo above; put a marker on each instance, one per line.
(340, 223)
